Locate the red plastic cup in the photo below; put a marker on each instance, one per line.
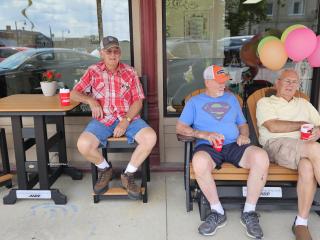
(64, 97)
(218, 145)
(306, 131)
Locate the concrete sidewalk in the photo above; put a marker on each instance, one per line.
(163, 218)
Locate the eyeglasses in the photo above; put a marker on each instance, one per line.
(288, 81)
(115, 51)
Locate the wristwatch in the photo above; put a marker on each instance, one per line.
(128, 119)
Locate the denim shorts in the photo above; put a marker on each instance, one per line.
(102, 132)
(231, 153)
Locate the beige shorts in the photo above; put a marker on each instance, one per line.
(284, 151)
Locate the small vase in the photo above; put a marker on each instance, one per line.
(49, 88)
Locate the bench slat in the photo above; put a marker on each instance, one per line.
(119, 139)
(229, 172)
(6, 177)
(118, 191)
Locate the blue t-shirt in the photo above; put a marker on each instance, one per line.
(221, 115)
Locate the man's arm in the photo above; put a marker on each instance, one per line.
(122, 126)
(96, 109)
(188, 131)
(244, 134)
(135, 109)
(244, 130)
(282, 126)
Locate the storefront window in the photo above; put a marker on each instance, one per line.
(58, 35)
(201, 33)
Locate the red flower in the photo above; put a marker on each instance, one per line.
(58, 75)
(50, 75)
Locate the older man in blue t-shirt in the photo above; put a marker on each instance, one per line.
(215, 117)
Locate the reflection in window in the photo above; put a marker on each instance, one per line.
(64, 39)
(296, 7)
(201, 33)
(269, 8)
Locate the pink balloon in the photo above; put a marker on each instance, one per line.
(314, 58)
(300, 43)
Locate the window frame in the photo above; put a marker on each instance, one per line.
(291, 8)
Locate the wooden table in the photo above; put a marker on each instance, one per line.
(43, 110)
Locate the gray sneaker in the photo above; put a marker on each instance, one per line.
(213, 221)
(250, 220)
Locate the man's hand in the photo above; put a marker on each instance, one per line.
(315, 134)
(121, 128)
(96, 108)
(212, 137)
(242, 140)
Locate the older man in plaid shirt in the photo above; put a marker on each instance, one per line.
(115, 99)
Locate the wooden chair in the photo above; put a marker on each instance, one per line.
(226, 173)
(120, 145)
(5, 176)
(231, 181)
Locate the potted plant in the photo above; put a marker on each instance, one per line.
(49, 83)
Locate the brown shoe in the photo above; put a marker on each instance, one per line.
(128, 183)
(301, 232)
(104, 177)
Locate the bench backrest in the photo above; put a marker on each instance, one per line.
(254, 98)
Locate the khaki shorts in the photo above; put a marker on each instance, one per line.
(284, 151)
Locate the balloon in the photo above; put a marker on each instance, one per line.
(264, 40)
(300, 43)
(273, 55)
(290, 29)
(314, 58)
(248, 52)
(272, 32)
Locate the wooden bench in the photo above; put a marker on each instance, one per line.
(231, 181)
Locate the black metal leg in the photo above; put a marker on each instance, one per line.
(189, 203)
(4, 152)
(94, 174)
(105, 155)
(62, 139)
(184, 164)
(144, 179)
(20, 154)
(148, 169)
(58, 197)
(72, 172)
(11, 198)
(42, 151)
(203, 207)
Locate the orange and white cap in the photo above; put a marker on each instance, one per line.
(217, 73)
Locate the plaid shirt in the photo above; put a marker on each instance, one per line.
(114, 91)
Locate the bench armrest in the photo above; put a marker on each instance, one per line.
(183, 138)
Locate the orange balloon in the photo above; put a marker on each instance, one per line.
(273, 54)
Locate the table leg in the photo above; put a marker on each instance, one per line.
(72, 172)
(19, 151)
(40, 129)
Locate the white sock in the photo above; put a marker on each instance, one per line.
(130, 168)
(301, 221)
(103, 165)
(217, 207)
(248, 207)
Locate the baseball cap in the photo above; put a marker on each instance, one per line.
(109, 42)
(216, 73)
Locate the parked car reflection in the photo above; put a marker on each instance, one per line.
(22, 72)
(8, 51)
